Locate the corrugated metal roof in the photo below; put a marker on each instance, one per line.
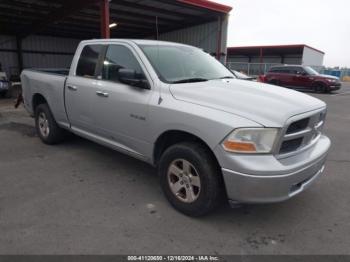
(269, 49)
(81, 18)
(209, 5)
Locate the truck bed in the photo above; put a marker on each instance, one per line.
(50, 84)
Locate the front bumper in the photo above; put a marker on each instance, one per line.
(335, 86)
(266, 179)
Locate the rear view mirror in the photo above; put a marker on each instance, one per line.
(131, 77)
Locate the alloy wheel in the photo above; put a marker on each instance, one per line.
(184, 180)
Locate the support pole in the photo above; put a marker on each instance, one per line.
(218, 49)
(19, 54)
(261, 59)
(104, 13)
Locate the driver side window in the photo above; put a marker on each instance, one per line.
(118, 57)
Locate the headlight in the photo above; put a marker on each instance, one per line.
(251, 140)
(332, 80)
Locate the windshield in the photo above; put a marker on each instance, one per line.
(182, 64)
(311, 71)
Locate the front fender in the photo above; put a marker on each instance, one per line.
(208, 124)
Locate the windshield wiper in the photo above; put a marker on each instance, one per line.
(226, 77)
(190, 80)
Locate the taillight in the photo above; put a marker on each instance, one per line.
(261, 78)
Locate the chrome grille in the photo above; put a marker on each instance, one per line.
(301, 131)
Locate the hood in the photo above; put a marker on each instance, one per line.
(329, 76)
(265, 104)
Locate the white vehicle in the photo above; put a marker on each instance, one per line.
(176, 107)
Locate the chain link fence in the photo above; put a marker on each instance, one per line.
(252, 69)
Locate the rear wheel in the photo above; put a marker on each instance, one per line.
(46, 126)
(190, 178)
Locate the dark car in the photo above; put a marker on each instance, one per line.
(4, 84)
(301, 77)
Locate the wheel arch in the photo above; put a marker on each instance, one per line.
(320, 82)
(38, 99)
(174, 136)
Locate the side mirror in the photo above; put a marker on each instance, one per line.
(130, 77)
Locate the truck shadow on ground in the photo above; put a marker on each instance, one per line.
(23, 129)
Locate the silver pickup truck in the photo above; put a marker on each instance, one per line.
(210, 135)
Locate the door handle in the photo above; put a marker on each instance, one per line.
(101, 93)
(73, 88)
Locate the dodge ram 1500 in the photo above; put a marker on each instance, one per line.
(210, 135)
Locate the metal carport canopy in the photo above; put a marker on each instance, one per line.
(81, 18)
(269, 50)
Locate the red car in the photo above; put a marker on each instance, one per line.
(301, 77)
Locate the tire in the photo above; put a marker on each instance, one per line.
(204, 181)
(3, 94)
(48, 130)
(320, 88)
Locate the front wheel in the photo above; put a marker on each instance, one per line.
(190, 178)
(320, 88)
(46, 126)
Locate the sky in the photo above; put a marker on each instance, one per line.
(322, 24)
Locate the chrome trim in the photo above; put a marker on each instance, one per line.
(319, 125)
(310, 134)
(297, 134)
(301, 149)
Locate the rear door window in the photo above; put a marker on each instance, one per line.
(276, 70)
(88, 60)
(284, 70)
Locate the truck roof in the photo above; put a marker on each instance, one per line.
(136, 41)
